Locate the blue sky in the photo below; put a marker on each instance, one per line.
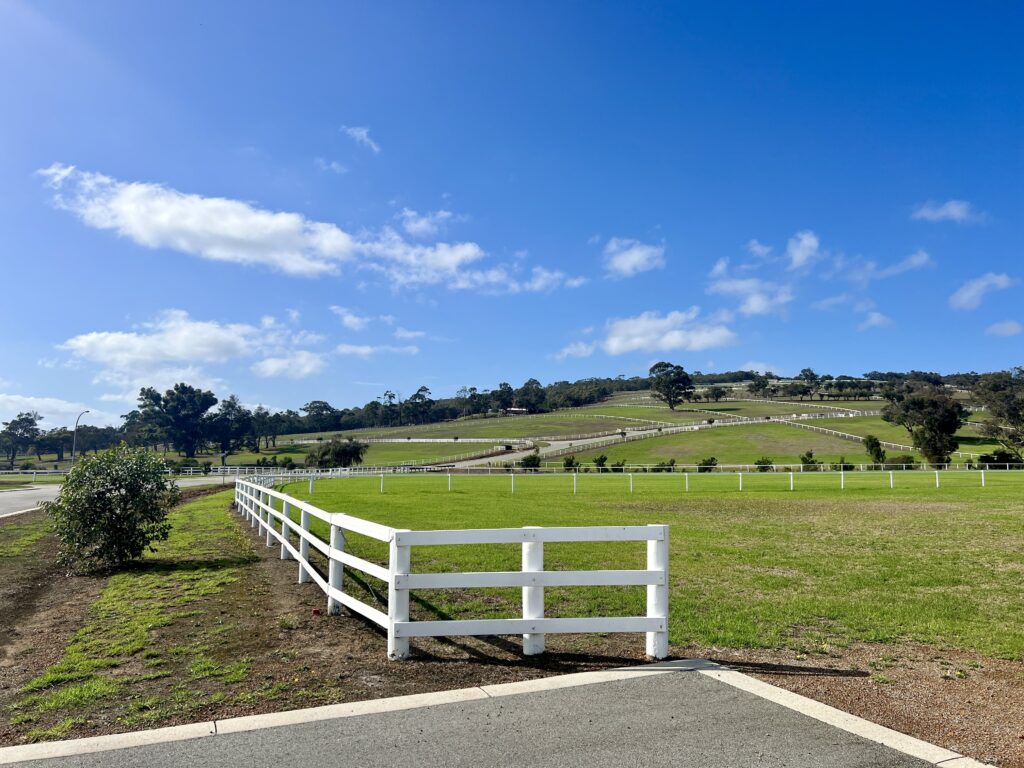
(324, 200)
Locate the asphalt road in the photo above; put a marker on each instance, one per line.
(12, 502)
(678, 719)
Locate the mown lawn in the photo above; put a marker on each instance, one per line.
(761, 568)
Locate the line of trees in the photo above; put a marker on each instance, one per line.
(190, 420)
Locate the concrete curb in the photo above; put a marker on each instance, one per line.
(844, 721)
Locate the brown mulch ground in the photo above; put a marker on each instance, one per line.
(302, 657)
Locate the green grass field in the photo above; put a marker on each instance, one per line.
(732, 445)
(540, 425)
(970, 440)
(763, 568)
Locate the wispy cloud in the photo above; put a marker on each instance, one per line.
(360, 134)
(759, 297)
(576, 349)
(970, 294)
(874, 320)
(959, 211)
(294, 365)
(425, 224)
(755, 248)
(369, 350)
(1005, 328)
(802, 249)
(350, 319)
(404, 333)
(330, 165)
(625, 258)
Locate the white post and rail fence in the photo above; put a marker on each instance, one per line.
(272, 513)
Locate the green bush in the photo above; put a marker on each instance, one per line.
(765, 464)
(707, 465)
(809, 463)
(112, 507)
(531, 461)
(571, 464)
(901, 462)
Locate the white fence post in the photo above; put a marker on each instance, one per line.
(686, 481)
(311, 485)
(398, 599)
(983, 478)
(741, 480)
(449, 481)
(382, 482)
(657, 594)
(336, 570)
(513, 476)
(265, 498)
(630, 482)
(891, 482)
(285, 510)
(304, 548)
(574, 483)
(936, 478)
(842, 479)
(791, 481)
(533, 597)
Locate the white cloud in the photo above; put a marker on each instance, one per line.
(759, 297)
(330, 165)
(350, 319)
(215, 228)
(832, 301)
(1005, 328)
(802, 249)
(654, 332)
(423, 225)
(960, 211)
(874, 320)
(293, 315)
(403, 333)
(220, 229)
(758, 249)
(368, 350)
(625, 258)
(54, 411)
(361, 135)
(970, 294)
(294, 365)
(576, 349)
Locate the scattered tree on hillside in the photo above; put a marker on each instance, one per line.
(230, 426)
(1002, 394)
(875, 450)
(929, 415)
(670, 383)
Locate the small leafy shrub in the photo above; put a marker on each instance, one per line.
(901, 462)
(531, 462)
(111, 508)
(27, 465)
(707, 465)
(809, 463)
(765, 464)
(1000, 460)
(600, 462)
(571, 464)
(842, 466)
(665, 466)
(619, 466)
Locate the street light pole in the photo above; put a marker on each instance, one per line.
(74, 437)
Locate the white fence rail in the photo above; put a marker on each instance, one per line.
(272, 512)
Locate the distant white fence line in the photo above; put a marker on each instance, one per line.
(861, 438)
(271, 511)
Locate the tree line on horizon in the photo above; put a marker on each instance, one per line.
(184, 418)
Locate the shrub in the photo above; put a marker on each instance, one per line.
(619, 466)
(808, 462)
(531, 462)
(898, 462)
(665, 466)
(27, 465)
(842, 466)
(570, 463)
(707, 465)
(765, 464)
(112, 507)
(336, 453)
(875, 450)
(1000, 460)
(600, 462)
